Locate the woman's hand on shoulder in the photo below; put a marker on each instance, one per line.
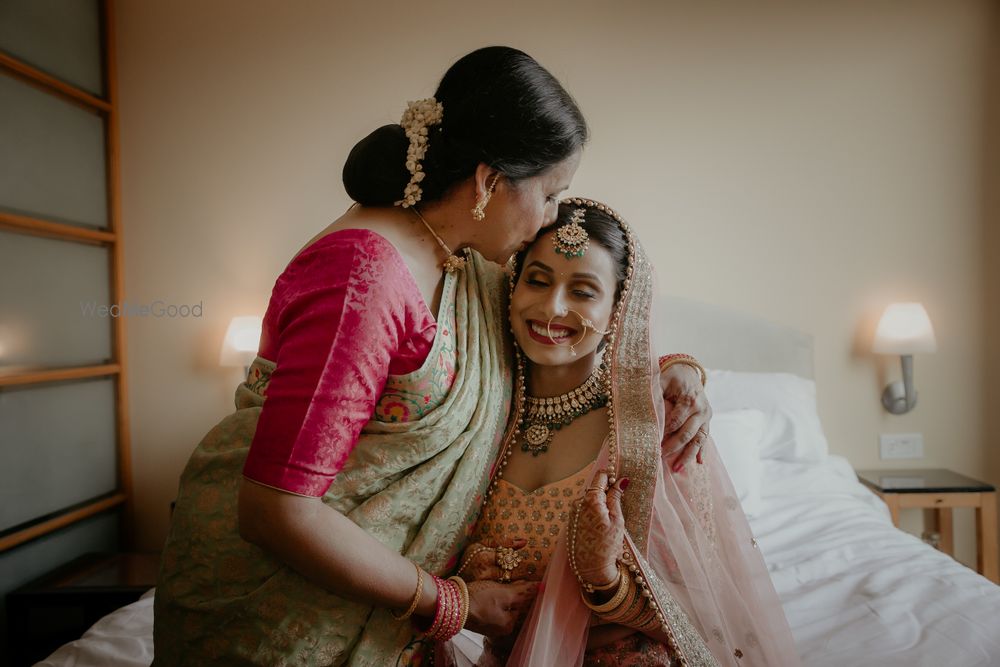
(688, 414)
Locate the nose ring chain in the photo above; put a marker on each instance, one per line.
(587, 323)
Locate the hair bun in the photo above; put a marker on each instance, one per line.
(375, 171)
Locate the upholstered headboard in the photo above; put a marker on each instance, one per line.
(727, 339)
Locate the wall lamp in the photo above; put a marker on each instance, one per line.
(239, 348)
(904, 329)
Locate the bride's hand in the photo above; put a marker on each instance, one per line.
(496, 609)
(479, 562)
(687, 414)
(600, 531)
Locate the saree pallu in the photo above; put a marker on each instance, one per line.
(416, 486)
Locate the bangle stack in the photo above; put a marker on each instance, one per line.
(452, 609)
(622, 592)
(670, 359)
(631, 605)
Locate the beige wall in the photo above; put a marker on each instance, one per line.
(808, 162)
(991, 261)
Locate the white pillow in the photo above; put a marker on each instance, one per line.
(793, 431)
(737, 435)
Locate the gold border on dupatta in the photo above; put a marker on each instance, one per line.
(682, 637)
(636, 426)
(638, 453)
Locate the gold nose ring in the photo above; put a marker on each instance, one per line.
(586, 323)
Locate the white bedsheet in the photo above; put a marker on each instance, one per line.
(856, 591)
(123, 638)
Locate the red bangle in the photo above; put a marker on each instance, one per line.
(436, 621)
(449, 611)
(456, 611)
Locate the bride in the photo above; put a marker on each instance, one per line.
(639, 565)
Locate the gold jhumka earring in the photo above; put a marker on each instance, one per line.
(479, 210)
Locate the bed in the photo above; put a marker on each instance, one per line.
(856, 590)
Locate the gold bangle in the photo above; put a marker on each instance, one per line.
(690, 361)
(629, 608)
(606, 587)
(416, 597)
(463, 590)
(642, 617)
(652, 624)
(633, 609)
(638, 616)
(624, 585)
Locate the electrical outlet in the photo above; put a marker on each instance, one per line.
(901, 446)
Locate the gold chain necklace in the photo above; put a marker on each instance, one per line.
(454, 262)
(544, 416)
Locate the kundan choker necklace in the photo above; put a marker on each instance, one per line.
(454, 262)
(544, 416)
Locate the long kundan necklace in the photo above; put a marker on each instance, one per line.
(544, 416)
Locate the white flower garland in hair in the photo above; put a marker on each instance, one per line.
(416, 119)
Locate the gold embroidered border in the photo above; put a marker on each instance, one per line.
(636, 427)
(682, 636)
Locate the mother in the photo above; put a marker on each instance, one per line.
(388, 386)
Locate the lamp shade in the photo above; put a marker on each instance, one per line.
(904, 328)
(242, 338)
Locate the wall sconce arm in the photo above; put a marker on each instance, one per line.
(900, 397)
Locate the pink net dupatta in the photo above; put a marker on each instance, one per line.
(691, 541)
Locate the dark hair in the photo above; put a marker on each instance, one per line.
(501, 108)
(601, 228)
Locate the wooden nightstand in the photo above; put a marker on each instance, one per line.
(941, 490)
(60, 606)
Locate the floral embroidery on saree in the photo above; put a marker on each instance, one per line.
(259, 376)
(410, 397)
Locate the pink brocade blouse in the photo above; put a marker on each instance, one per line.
(343, 316)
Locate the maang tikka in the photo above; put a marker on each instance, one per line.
(571, 240)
